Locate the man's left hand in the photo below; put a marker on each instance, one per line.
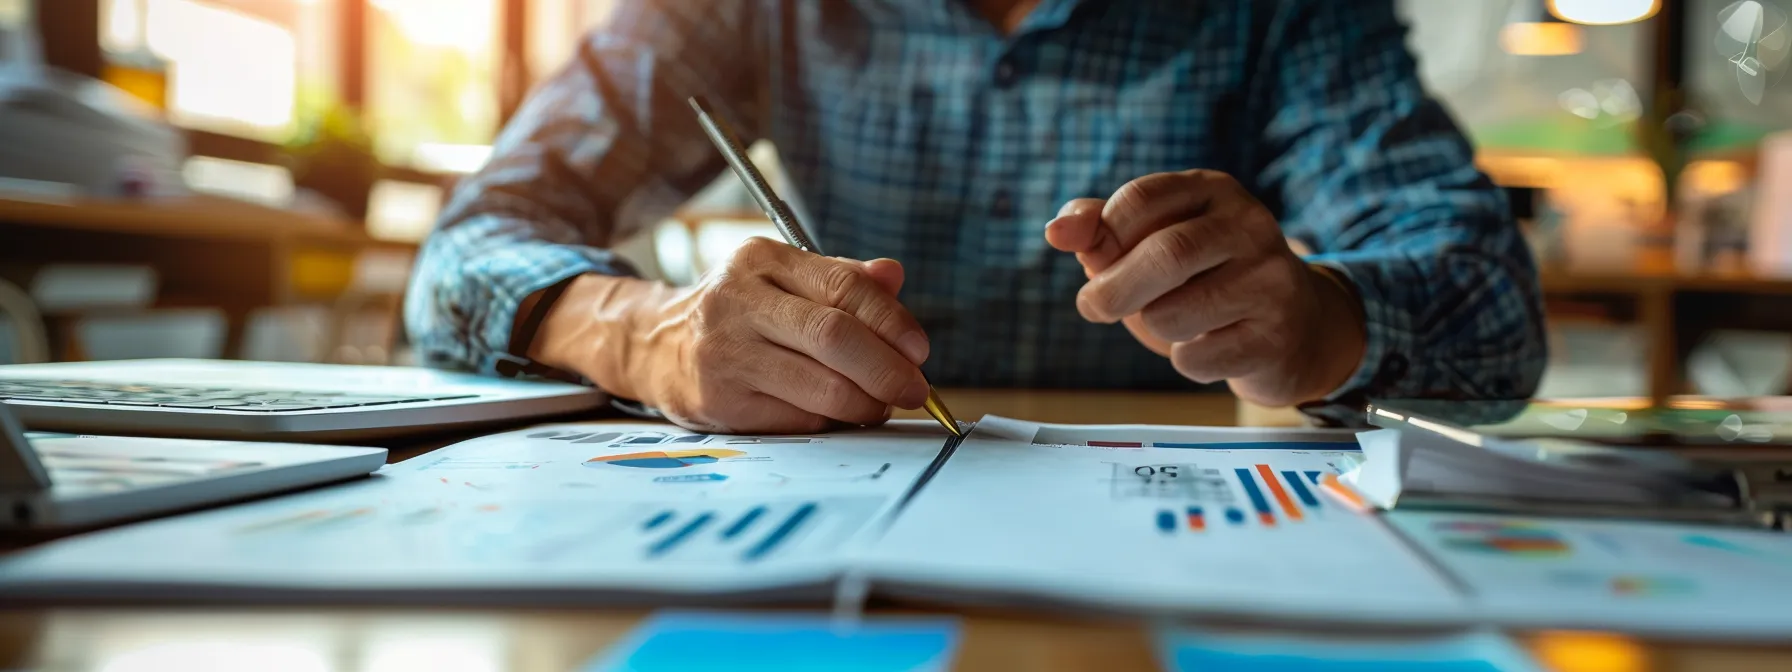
(1197, 269)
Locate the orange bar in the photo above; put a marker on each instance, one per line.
(1281, 493)
(1341, 492)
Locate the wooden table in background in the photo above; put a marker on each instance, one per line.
(529, 640)
(207, 252)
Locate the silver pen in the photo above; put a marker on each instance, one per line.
(775, 208)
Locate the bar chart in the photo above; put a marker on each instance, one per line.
(748, 533)
(1271, 498)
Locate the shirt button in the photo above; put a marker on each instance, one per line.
(1002, 207)
(1005, 72)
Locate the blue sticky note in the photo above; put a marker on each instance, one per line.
(1198, 651)
(782, 642)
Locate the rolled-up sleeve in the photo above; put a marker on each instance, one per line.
(601, 149)
(1374, 176)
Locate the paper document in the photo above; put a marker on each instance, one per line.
(568, 508)
(1227, 521)
(1648, 577)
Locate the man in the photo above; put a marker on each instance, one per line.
(1023, 174)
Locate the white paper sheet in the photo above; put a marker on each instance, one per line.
(1647, 577)
(640, 508)
(1234, 525)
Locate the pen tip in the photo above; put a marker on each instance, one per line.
(937, 409)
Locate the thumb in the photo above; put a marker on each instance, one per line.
(887, 273)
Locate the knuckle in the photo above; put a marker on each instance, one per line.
(1133, 197)
(757, 248)
(888, 384)
(836, 395)
(842, 282)
(834, 330)
(1178, 245)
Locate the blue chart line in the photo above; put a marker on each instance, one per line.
(1300, 490)
(783, 530)
(1234, 516)
(658, 520)
(1263, 445)
(1311, 476)
(1166, 521)
(671, 541)
(745, 522)
(1256, 494)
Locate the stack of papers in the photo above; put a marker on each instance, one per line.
(1165, 521)
(1425, 469)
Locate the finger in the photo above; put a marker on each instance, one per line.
(754, 413)
(1157, 265)
(1077, 228)
(1135, 323)
(840, 342)
(1233, 351)
(1206, 302)
(806, 384)
(849, 287)
(887, 273)
(759, 413)
(1145, 205)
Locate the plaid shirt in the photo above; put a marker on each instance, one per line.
(915, 130)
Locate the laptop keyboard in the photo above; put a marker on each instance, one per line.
(197, 397)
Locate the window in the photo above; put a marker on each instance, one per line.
(236, 67)
(14, 13)
(432, 81)
(15, 25)
(1578, 104)
(1739, 110)
(557, 26)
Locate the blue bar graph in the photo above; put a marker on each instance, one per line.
(672, 540)
(771, 541)
(1300, 490)
(657, 520)
(1166, 521)
(1234, 516)
(1313, 476)
(745, 522)
(1258, 501)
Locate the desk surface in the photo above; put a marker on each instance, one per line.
(531, 640)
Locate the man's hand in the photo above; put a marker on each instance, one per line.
(1198, 270)
(777, 340)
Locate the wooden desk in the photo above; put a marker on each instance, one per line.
(530, 640)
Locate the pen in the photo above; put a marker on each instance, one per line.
(782, 218)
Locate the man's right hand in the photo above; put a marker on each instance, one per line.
(777, 340)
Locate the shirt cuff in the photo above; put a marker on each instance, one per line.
(518, 271)
(1387, 335)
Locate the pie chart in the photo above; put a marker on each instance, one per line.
(664, 459)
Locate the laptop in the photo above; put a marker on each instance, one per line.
(224, 399)
(64, 482)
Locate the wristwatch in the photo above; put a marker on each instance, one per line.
(516, 361)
